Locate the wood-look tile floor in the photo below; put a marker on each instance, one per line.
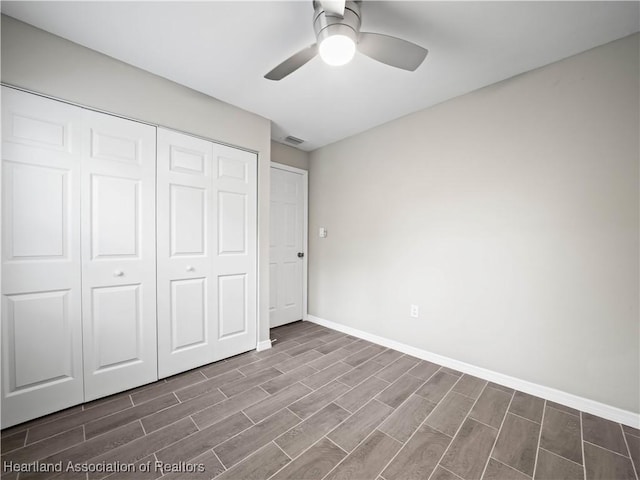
(323, 405)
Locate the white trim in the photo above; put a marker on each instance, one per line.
(305, 228)
(580, 403)
(265, 345)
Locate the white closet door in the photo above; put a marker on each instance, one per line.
(41, 313)
(185, 218)
(118, 255)
(206, 252)
(235, 249)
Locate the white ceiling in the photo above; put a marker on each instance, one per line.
(223, 49)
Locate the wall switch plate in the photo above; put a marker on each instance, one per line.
(414, 311)
(322, 232)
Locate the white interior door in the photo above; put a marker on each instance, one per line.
(287, 233)
(41, 299)
(118, 250)
(206, 252)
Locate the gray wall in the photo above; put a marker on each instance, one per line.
(509, 215)
(289, 156)
(44, 63)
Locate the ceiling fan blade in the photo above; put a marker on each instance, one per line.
(334, 7)
(391, 50)
(292, 63)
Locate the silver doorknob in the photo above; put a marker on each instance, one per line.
(118, 273)
(190, 268)
(300, 254)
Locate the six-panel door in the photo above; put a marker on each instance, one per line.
(206, 252)
(41, 292)
(118, 254)
(286, 242)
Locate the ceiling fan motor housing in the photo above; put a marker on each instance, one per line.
(326, 24)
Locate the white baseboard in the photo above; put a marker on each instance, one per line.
(266, 345)
(580, 403)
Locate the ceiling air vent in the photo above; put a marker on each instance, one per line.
(293, 140)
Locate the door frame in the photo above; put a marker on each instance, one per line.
(305, 228)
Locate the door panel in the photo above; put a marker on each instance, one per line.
(232, 303)
(287, 239)
(232, 222)
(39, 335)
(118, 268)
(117, 327)
(188, 219)
(115, 215)
(189, 326)
(41, 307)
(37, 222)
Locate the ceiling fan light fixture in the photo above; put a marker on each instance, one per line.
(337, 50)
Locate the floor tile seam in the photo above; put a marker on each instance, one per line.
(61, 449)
(607, 449)
(217, 458)
(400, 406)
(192, 434)
(223, 442)
(402, 444)
(190, 415)
(127, 409)
(484, 387)
(351, 415)
(274, 394)
(633, 465)
(446, 469)
(425, 381)
(301, 345)
(205, 393)
(636, 435)
(288, 409)
(357, 351)
(139, 419)
(535, 460)
(8, 432)
(469, 417)
(348, 454)
(260, 369)
(330, 365)
(406, 399)
(524, 418)
(450, 390)
(300, 454)
(413, 434)
(584, 459)
(94, 458)
(561, 456)
(116, 397)
(17, 448)
(279, 448)
(320, 371)
(562, 411)
(28, 443)
(209, 379)
(510, 467)
(495, 442)
(452, 437)
(204, 379)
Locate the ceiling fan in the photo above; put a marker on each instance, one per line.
(337, 27)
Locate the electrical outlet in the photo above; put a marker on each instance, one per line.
(415, 313)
